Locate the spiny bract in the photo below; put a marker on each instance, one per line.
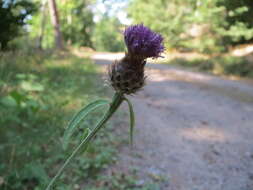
(126, 77)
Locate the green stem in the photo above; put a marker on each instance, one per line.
(116, 101)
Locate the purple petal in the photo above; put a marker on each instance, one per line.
(141, 41)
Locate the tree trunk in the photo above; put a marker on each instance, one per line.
(43, 22)
(56, 24)
(3, 45)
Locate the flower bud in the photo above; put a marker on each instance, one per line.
(127, 75)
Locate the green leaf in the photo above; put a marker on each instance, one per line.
(32, 86)
(9, 101)
(37, 170)
(2, 83)
(86, 132)
(21, 76)
(132, 119)
(18, 96)
(79, 117)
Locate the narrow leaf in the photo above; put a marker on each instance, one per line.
(79, 117)
(132, 120)
(85, 134)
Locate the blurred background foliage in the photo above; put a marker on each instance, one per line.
(40, 88)
(194, 25)
(108, 38)
(76, 21)
(27, 19)
(13, 18)
(208, 26)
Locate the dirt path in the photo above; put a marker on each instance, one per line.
(193, 131)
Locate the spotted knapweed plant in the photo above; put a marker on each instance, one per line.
(126, 76)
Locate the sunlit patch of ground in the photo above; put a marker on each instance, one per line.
(242, 50)
(205, 134)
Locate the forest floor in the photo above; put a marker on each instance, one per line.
(194, 131)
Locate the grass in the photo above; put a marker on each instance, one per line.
(220, 65)
(39, 94)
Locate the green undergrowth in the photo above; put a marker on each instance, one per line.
(38, 96)
(221, 65)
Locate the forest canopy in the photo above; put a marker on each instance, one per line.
(188, 25)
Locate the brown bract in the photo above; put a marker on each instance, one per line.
(127, 75)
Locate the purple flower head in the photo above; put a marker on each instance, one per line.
(143, 42)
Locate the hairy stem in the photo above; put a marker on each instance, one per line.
(116, 101)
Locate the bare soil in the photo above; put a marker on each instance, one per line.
(194, 131)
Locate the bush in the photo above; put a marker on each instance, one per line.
(13, 16)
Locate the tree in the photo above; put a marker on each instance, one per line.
(166, 17)
(76, 22)
(56, 24)
(239, 23)
(43, 23)
(13, 14)
(108, 35)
